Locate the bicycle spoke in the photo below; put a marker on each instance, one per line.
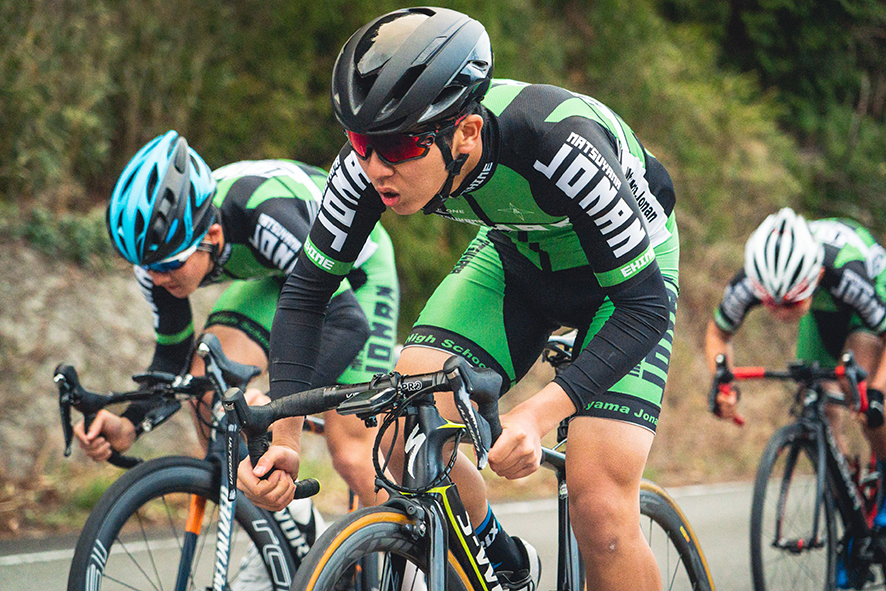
(143, 519)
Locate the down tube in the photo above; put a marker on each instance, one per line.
(464, 544)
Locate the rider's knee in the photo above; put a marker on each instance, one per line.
(609, 520)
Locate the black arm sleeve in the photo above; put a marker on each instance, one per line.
(345, 331)
(296, 330)
(637, 324)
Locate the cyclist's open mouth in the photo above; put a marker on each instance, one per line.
(389, 198)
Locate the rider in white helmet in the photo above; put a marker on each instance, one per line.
(783, 260)
(819, 275)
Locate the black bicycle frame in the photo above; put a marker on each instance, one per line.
(440, 508)
(832, 472)
(439, 512)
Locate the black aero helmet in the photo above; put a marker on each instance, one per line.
(409, 69)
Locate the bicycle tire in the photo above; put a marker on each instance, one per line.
(784, 493)
(118, 547)
(677, 551)
(373, 533)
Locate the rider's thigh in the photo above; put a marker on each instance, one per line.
(417, 360)
(604, 466)
(350, 443)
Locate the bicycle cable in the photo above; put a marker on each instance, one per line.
(392, 418)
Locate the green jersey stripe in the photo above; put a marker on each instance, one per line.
(326, 263)
(174, 339)
(625, 272)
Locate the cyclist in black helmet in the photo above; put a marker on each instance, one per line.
(576, 229)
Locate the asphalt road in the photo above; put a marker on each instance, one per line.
(718, 514)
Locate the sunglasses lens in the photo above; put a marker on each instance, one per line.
(360, 143)
(165, 267)
(392, 148)
(400, 147)
(174, 262)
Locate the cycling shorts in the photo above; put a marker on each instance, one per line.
(491, 311)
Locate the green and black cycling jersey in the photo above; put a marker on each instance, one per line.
(851, 294)
(266, 209)
(563, 186)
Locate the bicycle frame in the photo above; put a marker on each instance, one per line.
(440, 514)
(833, 474)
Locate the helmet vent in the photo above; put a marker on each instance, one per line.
(405, 83)
(152, 181)
(128, 182)
(139, 224)
(449, 95)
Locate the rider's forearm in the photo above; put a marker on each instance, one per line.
(548, 407)
(717, 341)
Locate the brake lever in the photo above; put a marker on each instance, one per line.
(64, 407)
(476, 426)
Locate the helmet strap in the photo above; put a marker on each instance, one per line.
(453, 168)
(219, 255)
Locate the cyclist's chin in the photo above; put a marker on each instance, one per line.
(178, 291)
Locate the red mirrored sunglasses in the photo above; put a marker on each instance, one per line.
(786, 305)
(395, 148)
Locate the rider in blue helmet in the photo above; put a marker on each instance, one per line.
(183, 226)
(161, 207)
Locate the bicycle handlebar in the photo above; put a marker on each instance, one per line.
(801, 373)
(156, 386)
(383, 393)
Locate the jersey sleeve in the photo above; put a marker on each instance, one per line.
(637, 324)
(349, 211)
(173, 325)
(849, 284)
(738, 300)
(174, 330)
(582, 176)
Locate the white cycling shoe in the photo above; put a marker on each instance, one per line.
(525, 579)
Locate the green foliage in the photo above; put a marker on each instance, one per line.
(85, 497)
(79, 238)
(84, 84)
(54, 85)
(825, 62)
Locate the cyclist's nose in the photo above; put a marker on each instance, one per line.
(376, 168)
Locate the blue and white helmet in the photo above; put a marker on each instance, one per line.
(162, 202)
(783, 259)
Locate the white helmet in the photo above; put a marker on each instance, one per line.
(783, 259)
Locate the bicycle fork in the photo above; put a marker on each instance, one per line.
(816, 435)
(441, 519)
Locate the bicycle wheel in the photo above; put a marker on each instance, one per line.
(381, 536)
(679, 556)
(785, 552)
(134, 536)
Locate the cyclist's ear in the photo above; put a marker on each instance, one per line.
(467, 136)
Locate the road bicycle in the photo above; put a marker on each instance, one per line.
(423, 526)
(176, 522)
(812, 506)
